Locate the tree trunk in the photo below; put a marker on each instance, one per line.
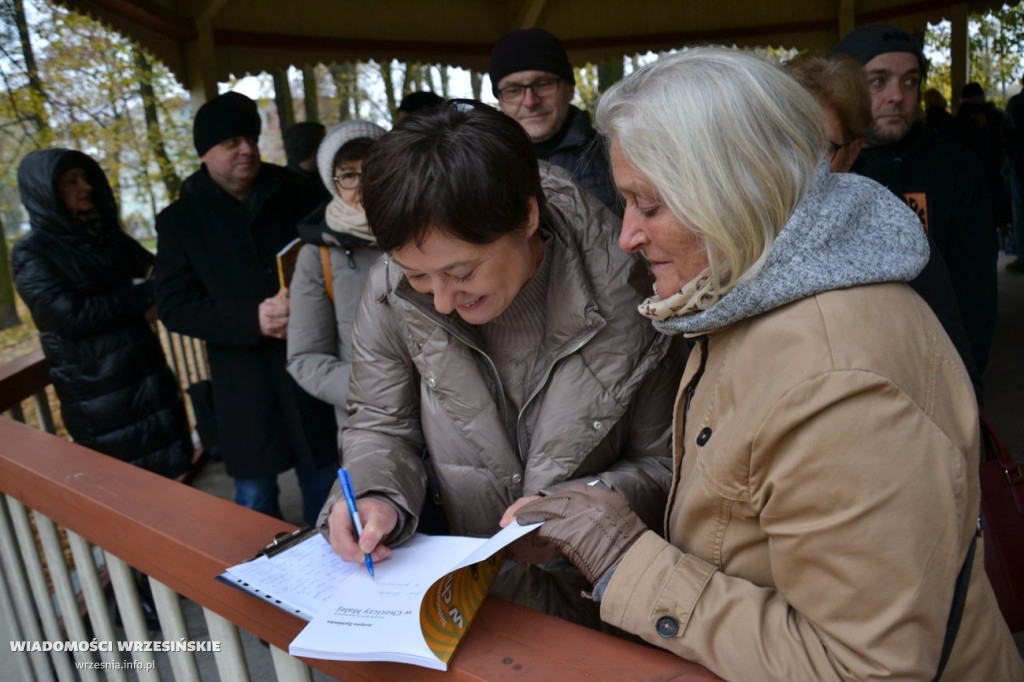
(44, 135)
(8, 312)
(310, 96)
(389, 88)
(476, 82)
(154, 135)
(283, 99)
(608, 73)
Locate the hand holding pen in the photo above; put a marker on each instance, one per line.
(350, 501)
(378, 519)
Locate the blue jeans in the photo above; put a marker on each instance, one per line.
(261, 493)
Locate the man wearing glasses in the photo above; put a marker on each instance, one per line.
(534, 82)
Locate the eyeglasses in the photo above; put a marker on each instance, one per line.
(348, 179)
(834, 148)
(510, 94)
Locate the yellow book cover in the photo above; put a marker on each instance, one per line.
(286, 258)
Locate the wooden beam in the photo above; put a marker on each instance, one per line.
(22, 378)
(529, 12)
(149, 15)
(185, 538)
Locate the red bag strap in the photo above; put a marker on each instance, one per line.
(325, 263)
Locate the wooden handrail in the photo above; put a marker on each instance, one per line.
(22, 378)
(184, 538)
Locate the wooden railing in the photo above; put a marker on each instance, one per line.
(183, 538)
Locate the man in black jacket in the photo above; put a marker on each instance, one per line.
(942, 182)
(534, 82)
(216, 279)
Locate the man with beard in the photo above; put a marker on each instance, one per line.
(942, 182)
(534, 82)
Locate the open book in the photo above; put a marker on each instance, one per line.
(418, 608)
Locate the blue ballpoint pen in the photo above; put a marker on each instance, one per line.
(350, 500)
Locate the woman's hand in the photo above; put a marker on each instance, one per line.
(378, 518)
(590, 524)
(527, 549)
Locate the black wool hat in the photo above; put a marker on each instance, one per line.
(864, 43)
(415, 101)
(528, 49)
(301, 140)
(225, 116)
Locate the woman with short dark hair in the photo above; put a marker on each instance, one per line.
(494, 353)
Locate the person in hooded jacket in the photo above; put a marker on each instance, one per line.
(825, 498)
(87, 285)
(320, 322)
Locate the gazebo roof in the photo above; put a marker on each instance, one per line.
(250, 36)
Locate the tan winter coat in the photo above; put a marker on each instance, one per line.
(824, 495)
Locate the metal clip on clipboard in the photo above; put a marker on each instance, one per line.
(283, 541)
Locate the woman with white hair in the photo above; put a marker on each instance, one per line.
(825, 491)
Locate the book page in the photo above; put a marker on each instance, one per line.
(301, 579)
(380, 619)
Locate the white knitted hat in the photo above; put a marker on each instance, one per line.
(335, 139)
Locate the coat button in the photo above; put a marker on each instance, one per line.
(667, 626)
(431, 382)
(704, 436)
(598, 426)
(517, 478)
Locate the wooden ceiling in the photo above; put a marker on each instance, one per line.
(236, 37)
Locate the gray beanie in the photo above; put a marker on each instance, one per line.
(864, 43)
(335, 139)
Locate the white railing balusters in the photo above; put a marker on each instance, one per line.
(231, 659)
(95, 601)
(289, 668)
(131, 614)
(24, 624)
(174, 628)
(37, 581)
(74, 627)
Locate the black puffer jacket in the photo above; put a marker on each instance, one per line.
(116, 392)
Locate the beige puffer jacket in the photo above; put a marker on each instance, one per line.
(601, 408)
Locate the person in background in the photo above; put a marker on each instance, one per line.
(340, 248)
(534, 82)
(936, 110)
(301, 141)
(1015, 160)
(494, 353)
(826, 439)
(417, 101)
(88, 287)
(838, 84)
(942, 182)
(216, 279)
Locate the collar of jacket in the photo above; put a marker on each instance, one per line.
(269, 181)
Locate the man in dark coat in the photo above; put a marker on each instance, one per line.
(216, 279)
(534, 82)
(942, 182)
